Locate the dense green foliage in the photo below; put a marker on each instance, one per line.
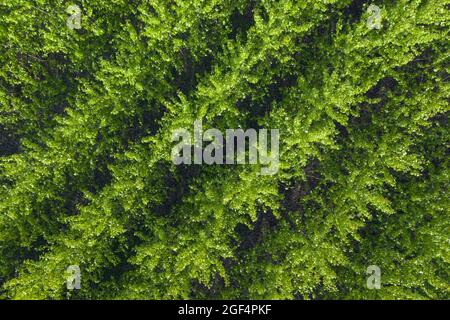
(86, 177)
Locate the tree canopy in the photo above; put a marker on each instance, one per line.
(86, 176)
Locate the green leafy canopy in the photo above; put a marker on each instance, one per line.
(86, 177)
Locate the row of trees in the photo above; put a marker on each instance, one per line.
(87, 179)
